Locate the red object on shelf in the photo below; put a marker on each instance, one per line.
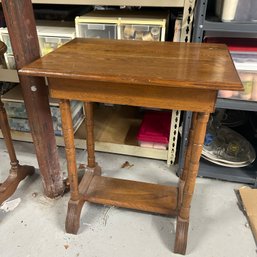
(155, 127)
(235, 44)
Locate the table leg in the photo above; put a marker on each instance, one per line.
(184, 173)
(17, 172)
(196, 140)
(76, 201)
(92, 165)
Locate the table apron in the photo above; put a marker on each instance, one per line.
(197, 100)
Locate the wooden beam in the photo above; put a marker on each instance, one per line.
(22, 30)
(163, 3)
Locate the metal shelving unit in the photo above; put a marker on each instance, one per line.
(161, 3)
(245, 175)
(122, 148)
(214, 25)
(236, 104)
(202, 24)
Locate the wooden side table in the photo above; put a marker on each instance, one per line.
(150, 74)
(17, 172)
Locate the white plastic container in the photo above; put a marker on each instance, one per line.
(48, 44)
(49, 37)
(120, 25)
(4, 36)
(10, 62)
(96, 30)
(229, 10)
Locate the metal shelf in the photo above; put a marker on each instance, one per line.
(212, 24)
(9, 75)
(243, 175)
(207, 169)
(160, 3)
(236, 104)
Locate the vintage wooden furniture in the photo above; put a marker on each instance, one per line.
(17, 171)
(150, 74)
(19, 17)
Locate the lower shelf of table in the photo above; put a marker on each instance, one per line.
(142, 196)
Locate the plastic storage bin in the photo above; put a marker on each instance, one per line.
(4, 36)
(122, 25)
(140, 32)
(10, 61)
(244, 54)
(48, 44)
(97, 30)
(22, 124)
(249, 80)
(50, 37)
(17, 114)
(154, 130)
(245, 61)
(96, 25)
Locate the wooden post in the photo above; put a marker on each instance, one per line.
(90, 135)
(68, 133)
(22, 30)
(197, 136)
(17, 172)
(183, 175)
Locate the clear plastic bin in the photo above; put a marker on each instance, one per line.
(10, 62)
(22, 124)
(48, 44)
(50, 37)
(249, 80)
(141, 32)
(245, 61)
(15, 109)
(17, 116)
(97, 30)
(7, 41)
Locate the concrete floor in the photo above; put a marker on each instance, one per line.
(35, 228)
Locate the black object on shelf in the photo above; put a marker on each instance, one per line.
(59, 12)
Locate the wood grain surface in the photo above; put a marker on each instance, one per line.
(19, 18)
(134, 95)
(193, 65)
(133, 195)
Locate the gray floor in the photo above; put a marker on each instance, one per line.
(35, 227)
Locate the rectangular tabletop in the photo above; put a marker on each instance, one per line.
(164, 64)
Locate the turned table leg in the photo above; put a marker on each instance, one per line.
(76, 201)
(92, 165)
(184, 172)
(17, 172)
(187, 180)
